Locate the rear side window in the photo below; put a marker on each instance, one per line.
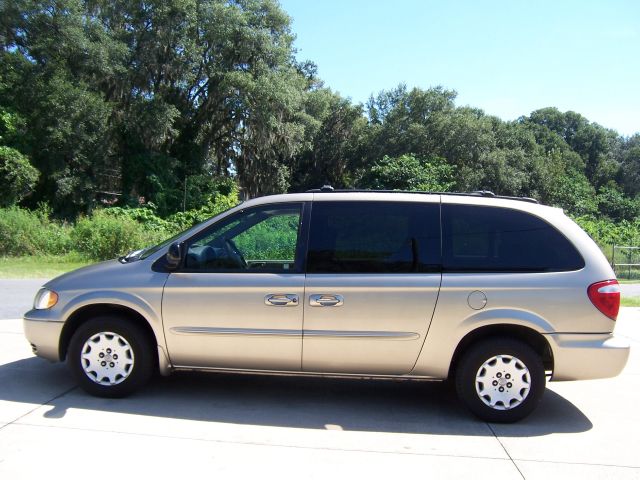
(374, 237)
(492, 239)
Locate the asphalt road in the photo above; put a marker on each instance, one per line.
(630, 289)
(16, 296)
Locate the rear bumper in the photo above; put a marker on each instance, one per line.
(587, 356)
(43, 334)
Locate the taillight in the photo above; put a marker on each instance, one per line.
(605, 296)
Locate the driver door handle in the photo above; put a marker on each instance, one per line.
(281, 300)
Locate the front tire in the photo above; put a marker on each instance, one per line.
(110, 356)
(500, 380)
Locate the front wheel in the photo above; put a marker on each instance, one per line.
(110, 357)
(500, 380)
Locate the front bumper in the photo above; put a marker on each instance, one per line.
(43, 333)
(587, 356)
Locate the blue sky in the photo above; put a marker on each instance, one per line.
(506, 57)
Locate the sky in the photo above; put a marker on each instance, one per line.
(508, 58)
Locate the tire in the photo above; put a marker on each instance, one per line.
(507, 364)
(110, 356)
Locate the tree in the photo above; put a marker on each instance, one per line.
(594, 143)
(165, 99)
(209, 85)
(613, 204)
(334, 136)
(409, 122)
(17, 176)
(629, 175)
(408, 172)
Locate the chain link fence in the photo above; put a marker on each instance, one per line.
(625, 261)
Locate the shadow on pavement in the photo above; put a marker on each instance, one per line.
(395, 406)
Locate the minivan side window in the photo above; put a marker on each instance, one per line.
(374, 237)
(493, 239)
(260, 239)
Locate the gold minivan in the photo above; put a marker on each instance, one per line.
(494, 293)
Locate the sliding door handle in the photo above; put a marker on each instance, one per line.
(326, 300)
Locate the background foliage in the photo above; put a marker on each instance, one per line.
(136, 119)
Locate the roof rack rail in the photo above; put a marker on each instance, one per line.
(477, 193)
(484, 193)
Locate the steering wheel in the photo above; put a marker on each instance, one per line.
(234, 253)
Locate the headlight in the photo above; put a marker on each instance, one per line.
(45, 298)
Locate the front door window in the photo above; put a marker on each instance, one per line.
(262, 239)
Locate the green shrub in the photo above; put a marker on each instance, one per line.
(217, 202)
(103, 236)
(144, 216)
(606, 232)
(25, 232)
(114, 231)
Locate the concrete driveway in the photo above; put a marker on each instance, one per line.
(248, 426)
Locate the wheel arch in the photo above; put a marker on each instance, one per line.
(82, 314)
(531, 337)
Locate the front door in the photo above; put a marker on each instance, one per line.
(373, 276)
(237, 300)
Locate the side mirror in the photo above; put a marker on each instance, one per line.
(174, 255)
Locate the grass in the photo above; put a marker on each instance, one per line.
(630, 302)
(39, 266)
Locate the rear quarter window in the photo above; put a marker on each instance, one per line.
(494, 239)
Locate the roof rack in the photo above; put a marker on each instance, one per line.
(477, 193)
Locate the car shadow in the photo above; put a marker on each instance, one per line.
(370, 405)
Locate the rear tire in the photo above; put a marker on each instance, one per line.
(500, 380)
(110, 356)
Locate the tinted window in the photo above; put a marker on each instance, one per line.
(258, 239)
(494, 239)
(374, 237)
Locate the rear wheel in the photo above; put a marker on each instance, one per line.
(500, 379)
(110, 357)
